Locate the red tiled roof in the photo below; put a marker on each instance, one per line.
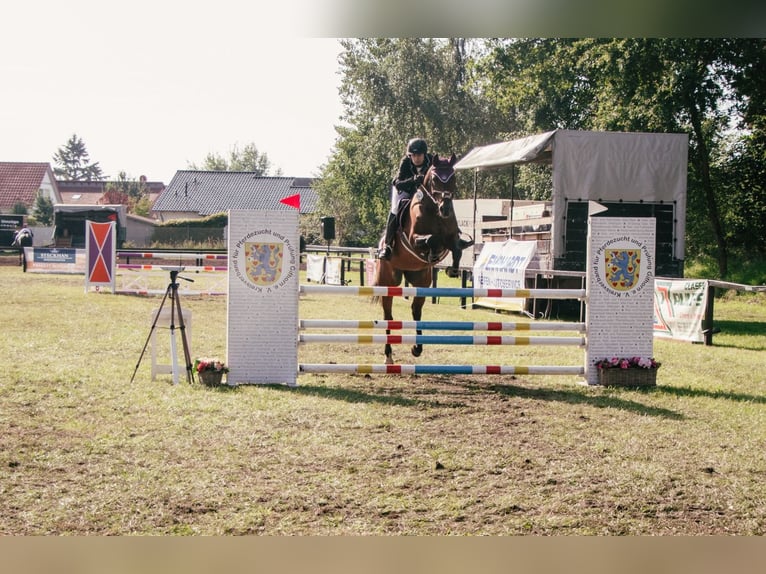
(19, 182)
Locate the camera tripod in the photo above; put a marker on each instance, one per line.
(175, 307)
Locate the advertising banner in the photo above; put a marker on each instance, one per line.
(679, 309)
(55, 260)
(314, 268)
(333, 271)
(502, 266)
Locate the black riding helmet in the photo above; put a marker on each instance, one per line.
(417, 145)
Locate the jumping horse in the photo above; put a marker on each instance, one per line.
(427, 233)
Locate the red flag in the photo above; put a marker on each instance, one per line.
(292, 201)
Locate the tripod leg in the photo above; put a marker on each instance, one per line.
(173, 346)
(151, 330)
(184, 341)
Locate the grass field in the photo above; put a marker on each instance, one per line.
(85, 451)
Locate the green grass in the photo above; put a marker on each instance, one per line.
(743, 268)
(85, 451)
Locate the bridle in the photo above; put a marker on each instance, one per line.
(442, 197)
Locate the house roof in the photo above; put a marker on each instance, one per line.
(20, 182)
(91, 192)
(208, 192)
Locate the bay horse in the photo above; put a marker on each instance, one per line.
(427, 233)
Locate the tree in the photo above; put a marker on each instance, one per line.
(126, 191)
(666, 85)
(72, 162)
(247, 159)
(460, 93)
(19, 208)
(43, 211)
(394, 89)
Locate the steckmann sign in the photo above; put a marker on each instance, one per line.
(55, 260)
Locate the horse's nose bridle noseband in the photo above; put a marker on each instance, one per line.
(444, 175)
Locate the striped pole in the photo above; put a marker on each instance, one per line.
(163, 291)
(380, 291)
(441, 340)
(187, 269)
(440, 325)
(442, 369)
(167, 255)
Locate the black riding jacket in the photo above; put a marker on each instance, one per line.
(404, 181)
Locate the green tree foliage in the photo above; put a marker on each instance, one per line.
(460, 93)
(43, 211)
(246, 159)
(394, 89)
(692, 86)
(72, 162)
(19, 208)
(129, 192)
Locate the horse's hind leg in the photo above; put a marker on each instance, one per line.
(388, 303)
(417, 313)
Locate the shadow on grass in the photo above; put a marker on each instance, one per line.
(575, 396)
(690, 392)
(746, 329)
(352, 396)
(578, 398)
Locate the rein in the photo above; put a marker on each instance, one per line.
(443, 176)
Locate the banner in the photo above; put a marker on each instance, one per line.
(314, 268)
(264, 264)
(679, 309)
(502, 266)
(101, 254)
(55, 260)
(369, 271)
(333, 271)
(620, 286)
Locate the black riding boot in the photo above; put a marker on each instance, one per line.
(388, 242)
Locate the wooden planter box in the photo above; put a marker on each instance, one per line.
(627, 377)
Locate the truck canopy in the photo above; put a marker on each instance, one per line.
(609, 167)
(69, 222)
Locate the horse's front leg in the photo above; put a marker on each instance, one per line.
(388, 303)
(417, 313)
(454, 269)
(457, 252)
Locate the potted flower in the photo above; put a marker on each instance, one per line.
(210, 370)
(627, 371)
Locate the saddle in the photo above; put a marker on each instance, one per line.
(404, 208)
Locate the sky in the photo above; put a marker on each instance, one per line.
(151, 87)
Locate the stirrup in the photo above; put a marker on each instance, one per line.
(385, 252)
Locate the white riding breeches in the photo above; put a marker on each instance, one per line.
(396, 198)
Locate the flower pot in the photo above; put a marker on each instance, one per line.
(210, 378)
(635, 377)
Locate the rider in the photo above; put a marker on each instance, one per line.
(21, 239)
(412, 171)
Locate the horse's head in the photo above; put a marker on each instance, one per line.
(440, 183)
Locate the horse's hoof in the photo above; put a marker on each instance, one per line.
(417, 350)
(452, 272)
(389, 361)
